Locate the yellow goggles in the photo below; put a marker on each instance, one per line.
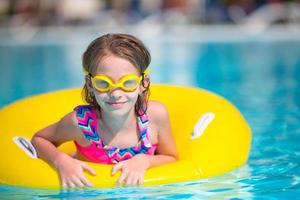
(127, 83)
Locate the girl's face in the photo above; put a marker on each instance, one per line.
(116, 101)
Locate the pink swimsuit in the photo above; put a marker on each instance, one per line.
(97, 151)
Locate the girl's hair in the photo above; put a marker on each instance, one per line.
(124, 46)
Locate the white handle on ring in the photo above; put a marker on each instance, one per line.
(202, 124)
(26, 146)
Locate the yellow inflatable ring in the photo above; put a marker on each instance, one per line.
(211, 135)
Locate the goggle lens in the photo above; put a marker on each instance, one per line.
(131, 83)
(101, 84)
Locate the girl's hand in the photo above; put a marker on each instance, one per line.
(133, 170)
(71, 170)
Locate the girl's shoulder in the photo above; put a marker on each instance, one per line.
(70, 121)
(68, 126)
(156, 107)
(157, 112)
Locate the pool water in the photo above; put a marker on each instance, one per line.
(260, 77)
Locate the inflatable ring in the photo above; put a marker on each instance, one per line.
(211, 135)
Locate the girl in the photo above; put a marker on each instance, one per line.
(119, 125)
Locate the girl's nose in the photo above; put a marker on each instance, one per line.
(115, 93)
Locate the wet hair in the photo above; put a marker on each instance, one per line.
(124, 46)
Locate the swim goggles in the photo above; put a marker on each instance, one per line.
(127, 83)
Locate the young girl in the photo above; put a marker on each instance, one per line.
(119, 125)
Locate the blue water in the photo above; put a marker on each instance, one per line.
(260, 77)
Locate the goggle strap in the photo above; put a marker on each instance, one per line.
(85, 72)
(146, 72)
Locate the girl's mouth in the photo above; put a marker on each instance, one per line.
(115, 104)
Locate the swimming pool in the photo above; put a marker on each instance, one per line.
(259, 75)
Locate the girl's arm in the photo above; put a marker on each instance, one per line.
(133, 170)
(46, 142)
(48, 139)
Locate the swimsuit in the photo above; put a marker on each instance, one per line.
(99, 152)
